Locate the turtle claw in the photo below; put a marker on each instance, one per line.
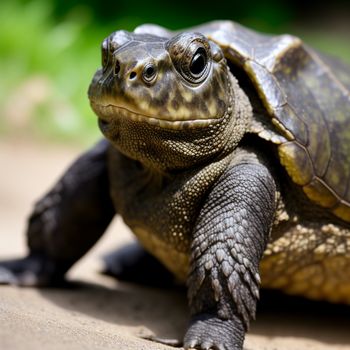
(32, 271)
(191, 344)
(6, 276)
(20, 272)
(23, 279)
(169, 342)
(208, 332)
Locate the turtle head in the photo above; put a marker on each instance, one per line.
(154, 92)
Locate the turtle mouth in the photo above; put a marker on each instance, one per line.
(110, 112)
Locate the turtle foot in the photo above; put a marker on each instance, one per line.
(207, 331)
(32, 271)
(133, 264)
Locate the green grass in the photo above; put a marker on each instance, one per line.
(57, 56)
(62, 56)
(331, 43)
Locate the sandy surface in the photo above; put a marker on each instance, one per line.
(99, 312)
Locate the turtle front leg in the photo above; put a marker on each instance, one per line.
(65, 223)
(229, 240)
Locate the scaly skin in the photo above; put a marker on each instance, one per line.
(203, 194)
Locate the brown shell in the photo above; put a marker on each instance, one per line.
(307, 96)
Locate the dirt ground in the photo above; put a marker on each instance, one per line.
(101, 313)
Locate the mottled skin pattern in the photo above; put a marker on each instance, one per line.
(307, 98)
(202, 162)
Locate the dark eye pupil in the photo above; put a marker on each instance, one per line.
(149, 71)
(198, 62)
(117, 67)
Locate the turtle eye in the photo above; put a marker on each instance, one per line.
(149, 73)
(191, 56)
(198, 62)
(195, 63)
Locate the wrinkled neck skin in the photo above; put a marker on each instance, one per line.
(167, 151)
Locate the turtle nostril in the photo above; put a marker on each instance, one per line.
(116, 67)
(132, 75)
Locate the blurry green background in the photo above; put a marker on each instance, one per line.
(49, 50)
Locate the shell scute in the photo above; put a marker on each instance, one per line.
(307, 96)
(321, 194)
(301, 171)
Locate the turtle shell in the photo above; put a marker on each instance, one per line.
(307, 96)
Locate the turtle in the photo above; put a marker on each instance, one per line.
(227, 152)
